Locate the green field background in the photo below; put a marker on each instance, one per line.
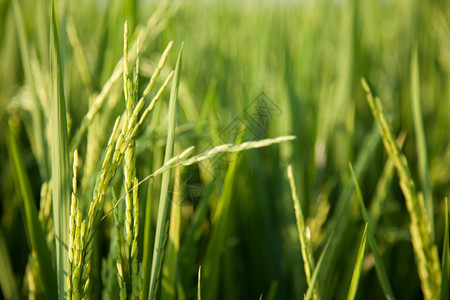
(303, 62)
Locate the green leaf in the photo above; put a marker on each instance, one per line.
(163, 200)
(35, 231)
(358, 267)
(421, 146)
(61, 171)
(310, 290)
(271, 295)
(379, 267)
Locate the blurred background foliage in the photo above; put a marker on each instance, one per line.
(308, 58)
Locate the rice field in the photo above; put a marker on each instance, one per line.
(224, 149)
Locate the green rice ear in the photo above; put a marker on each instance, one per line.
(425, 249)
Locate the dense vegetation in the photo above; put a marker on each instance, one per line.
(99, 111)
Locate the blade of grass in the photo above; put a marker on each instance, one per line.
(425, 249)
(310, 290)
(421, 146)
(379, 267)
(445, 283)
(272, 293)
(163, 201)
(339, 220)
(7, 282)
(358, 266)
(35, 231)
(61, 178)
(169, 271)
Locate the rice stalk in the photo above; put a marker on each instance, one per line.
(425, 250)
(113, 79)
(304, 235)
(131, 198)
(120, 145)
(181, 160)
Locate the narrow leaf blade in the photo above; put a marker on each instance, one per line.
(422, 157)
(310, 290)
(61, 178)
(163, 201)
(35, 231)
(379, 267)
(358, 267)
